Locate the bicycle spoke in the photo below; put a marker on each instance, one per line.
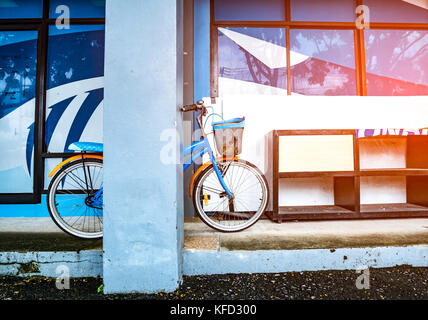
(72, 205)
(247, 205)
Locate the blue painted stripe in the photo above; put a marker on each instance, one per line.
(25, 210)
(82, 118)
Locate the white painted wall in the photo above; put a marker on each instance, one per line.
(264, 113)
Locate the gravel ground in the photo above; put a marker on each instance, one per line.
(389, 283)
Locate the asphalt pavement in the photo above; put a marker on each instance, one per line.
(399, 283)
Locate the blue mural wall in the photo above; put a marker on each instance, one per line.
(18, 61)
(74, 99)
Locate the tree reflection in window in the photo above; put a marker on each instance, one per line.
(396, 62)
(330, 65)
(255, 58)
(18, 52)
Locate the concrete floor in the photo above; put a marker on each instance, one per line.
(266, 235)
(41, 234)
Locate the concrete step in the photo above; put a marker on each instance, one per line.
(39, 235)
(267, 235)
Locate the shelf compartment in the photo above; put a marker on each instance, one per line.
(320, 153)
(287, 213)
(417, 190)
(388, 208)
(323, 209)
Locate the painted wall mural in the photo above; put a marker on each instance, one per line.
(74, 97)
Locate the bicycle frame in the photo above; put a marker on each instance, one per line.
(200, 148)
(97, 198)
(196, 150)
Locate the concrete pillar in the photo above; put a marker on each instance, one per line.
(143, 219)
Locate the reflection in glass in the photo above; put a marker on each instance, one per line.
(329, 67)
(249, 10)
(252, 60)
(398, 11)
(75, 54)
(21, 9)
(75, 71)
(79, 8)
(18, 52)
(396, 62)
(316, 10)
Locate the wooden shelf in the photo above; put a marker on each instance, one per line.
(361, 173)
(314, 210)
(394, 172)
(290, 213)
(311, 174)
(393, 207)
(346, 184)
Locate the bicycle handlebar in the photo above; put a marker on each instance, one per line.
(193, 107)
(199, 106)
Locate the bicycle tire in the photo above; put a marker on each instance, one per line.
(52, 203)
(217, 226)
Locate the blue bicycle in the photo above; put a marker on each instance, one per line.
(229, 194)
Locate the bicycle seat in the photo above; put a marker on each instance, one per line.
(86, 146)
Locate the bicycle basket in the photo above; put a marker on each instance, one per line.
(228, 136)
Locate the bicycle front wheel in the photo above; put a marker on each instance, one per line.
(249, 188)
(71, 202)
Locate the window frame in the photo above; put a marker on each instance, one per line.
(40, 148)
(288, 24)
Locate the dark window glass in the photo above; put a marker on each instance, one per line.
(18, 51)
(75, 86)
(401, 11)
(20, 9)
(327, 10)
(322, 62)
(252, 60)
(248, 10)
(396, 62)
(78, 8)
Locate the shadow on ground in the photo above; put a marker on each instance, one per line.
(47, 242)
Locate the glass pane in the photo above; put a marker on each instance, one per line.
(18, 52)
(248, 10)
(252, 60)
(20, 9)
(396, 62)
(78, 8)
(75, 83)
(322, 62)
(401, 11)
(326, 10)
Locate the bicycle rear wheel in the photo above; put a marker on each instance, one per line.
(70, 199)
(249, 188)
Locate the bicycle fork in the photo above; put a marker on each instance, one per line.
(97, 199)
(223, 183)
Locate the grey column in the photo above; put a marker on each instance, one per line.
(143, 196)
